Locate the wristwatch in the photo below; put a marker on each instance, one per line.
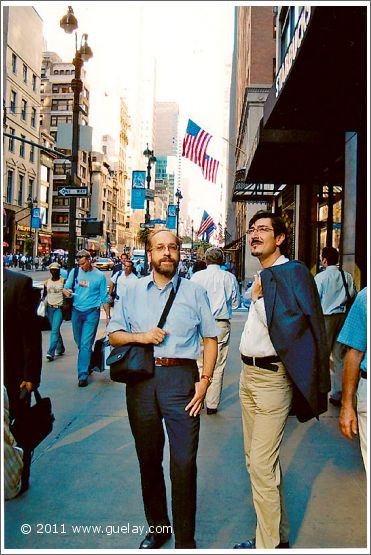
(205, 377)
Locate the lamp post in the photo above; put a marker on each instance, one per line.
(192, 236)
(179, 197)
(151, 160)
(83, 54)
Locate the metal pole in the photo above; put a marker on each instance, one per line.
(147, 216)
(76, 86)
(177, 215)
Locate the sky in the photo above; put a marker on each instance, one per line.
(191, 42)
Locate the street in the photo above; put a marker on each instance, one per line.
(85, 486)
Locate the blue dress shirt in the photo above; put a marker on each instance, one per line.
(354, 331)
(140, 307)
(331, 290)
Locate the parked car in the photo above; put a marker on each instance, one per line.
(103, 263)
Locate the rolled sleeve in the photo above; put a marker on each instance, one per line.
(118, 321)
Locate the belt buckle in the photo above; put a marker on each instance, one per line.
(253, 361)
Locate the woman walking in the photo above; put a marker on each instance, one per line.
(54, 301)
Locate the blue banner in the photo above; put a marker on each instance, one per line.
(35, 218)
(171, 216)
(138, 189)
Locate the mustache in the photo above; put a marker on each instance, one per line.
(256, 242)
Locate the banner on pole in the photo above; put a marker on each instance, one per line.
(138, 185)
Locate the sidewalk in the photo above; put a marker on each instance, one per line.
(86, 472)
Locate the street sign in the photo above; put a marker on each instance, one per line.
(150, 194)
(157, 221)
(73, 191)
(147, 225)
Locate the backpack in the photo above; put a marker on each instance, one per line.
(114, 290)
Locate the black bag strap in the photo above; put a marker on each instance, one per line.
(75, 272)
(169, 304)
(345, 284)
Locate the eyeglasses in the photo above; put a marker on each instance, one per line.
(259, 229)
(161, 248)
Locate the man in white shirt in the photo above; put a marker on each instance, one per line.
(333, 295)
(284, 366)
(223, 291)
(118, 280)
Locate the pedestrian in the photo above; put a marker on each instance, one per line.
(224, 295)
(334, 295)
(23, 261)
(197, 266)
(120, 279)
(36, 262)
(21, 349)
(354, 335)
(88, 288)
(139, 269)
(120, 264)
(285, 366)
(53, 296)
(175, 393)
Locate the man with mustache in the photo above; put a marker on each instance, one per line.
(285, 367)
(175, 393)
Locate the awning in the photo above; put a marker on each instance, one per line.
(46, 239)
(323, 95)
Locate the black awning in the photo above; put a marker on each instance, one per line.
(326, 87)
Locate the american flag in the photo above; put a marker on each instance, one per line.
(195, 143)
(210, 168)
(207, 225)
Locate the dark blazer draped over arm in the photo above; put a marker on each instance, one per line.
(297, 331)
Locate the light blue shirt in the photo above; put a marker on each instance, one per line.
(222, 289)
(90, 289)
(331, 290)
(140, 307)
(354, 331)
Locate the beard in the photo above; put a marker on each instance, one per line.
(254, 249)
(169, 270)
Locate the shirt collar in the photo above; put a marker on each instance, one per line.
(281, 260)
(151, 282)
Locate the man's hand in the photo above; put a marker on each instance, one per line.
(154, 336)
(348, 421)
(67, 292)
(28, 385)
(197, 401)
(256, 289)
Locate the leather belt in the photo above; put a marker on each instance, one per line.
(222, 319)
(55, 306)
(363, 374)
(163, 361)
(262, 362)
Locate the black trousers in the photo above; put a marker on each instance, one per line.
(149, 403)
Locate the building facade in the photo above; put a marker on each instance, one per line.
(21, 159)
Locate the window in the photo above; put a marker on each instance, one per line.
(34, 82)
(13, 101)
(20, 190)
(32, 153)
(60, 218)
(33, 117)
(44, 193)
(44, 173)
(24, 73)
(127, 225)
(21, 147)
(30, 188)
(59, 169)
(9, 187)
(11, 140)
(24, 109)
(59, 201)
(14, 63)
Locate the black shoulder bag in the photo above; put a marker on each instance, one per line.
(134, 362)
(33, 423)
(68, 301)
(350, 299)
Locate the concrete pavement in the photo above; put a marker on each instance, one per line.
(85, 472)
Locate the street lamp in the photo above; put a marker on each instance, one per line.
(151, 160)
(192, 236)
(83, 54)
(179, 197)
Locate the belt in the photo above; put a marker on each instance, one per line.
(56, 306)
(222, 319)
(163, 361)
(363, 374)
(262, 362)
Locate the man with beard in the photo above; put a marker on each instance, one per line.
(284, 366)
(175, 393)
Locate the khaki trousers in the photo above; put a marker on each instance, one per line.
(266, 398)
(214, 390)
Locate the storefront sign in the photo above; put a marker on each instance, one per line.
(293, 48)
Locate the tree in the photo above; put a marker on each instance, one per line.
(28, 246)
(142, 235)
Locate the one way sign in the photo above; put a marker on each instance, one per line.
(72, 191)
